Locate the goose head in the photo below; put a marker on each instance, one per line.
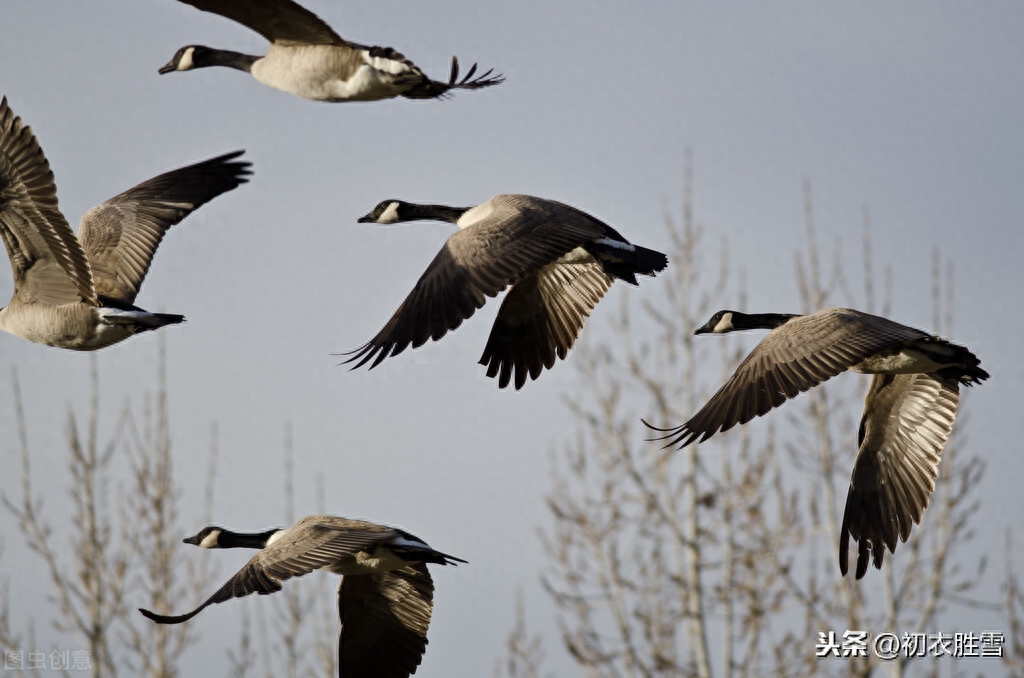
(730, 321)
(207, 538)
(187, 58)
(720, 323)
(386, 212)
(213, 537)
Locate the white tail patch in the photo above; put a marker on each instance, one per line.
(411, 543)
(391, 66)
(617, 244)
(117, 316)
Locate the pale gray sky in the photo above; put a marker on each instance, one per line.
(913, 110)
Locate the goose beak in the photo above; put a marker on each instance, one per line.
(194, 540)
(702, 330)
(168, 67)
(365, 219)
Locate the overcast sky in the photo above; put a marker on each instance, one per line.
(913, 110)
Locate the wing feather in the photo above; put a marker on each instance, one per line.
(480, 261)
(47, 260)
(907, 421)
(794, 358)
(121, 236)
(280, 21)
(384, 620)
(541, 318)
(302, 550)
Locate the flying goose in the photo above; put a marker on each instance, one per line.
(385, 597)
(308, 59)
(79, 293)
(558, 260)
(908, 411)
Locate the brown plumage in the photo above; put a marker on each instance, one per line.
(79, 292)
(308, 59)
(385, 598)
(908, 411)
(558, 260)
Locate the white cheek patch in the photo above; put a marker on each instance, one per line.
(725, 324)
(210, 540)
(185, 63)
(618, 244)
(390, 215)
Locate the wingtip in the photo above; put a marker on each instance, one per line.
(150, 615)
(168, 619)
(678, 435)
(364, 354)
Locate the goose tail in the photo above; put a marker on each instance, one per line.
(435, 89)
(138, 320)
(622, 263)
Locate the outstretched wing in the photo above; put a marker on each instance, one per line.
(120, 236)
(803, 353)
(384, 620)
(907, 421)
(540, 318)
(47, 260)
(280, 21)
(292, 555)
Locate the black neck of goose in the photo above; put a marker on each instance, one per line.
(240, 540)
(761, 321)
(412, 212)
(223, 57)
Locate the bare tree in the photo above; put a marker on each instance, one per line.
(150, 523)
(720, 559)
(90, 592)
(1014, 657)
(525, 652)
(113, 553)
(9, 640)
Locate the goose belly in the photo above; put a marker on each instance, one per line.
(381, 560)
(326, 73)
(907, 361)
(577, 256)
(72, 326)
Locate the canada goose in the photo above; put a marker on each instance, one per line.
(559, 261)
(78, 293)
(308, 59)
(385, 597)
(908, 411)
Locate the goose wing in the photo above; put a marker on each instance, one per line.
(384, 620)
(298, 551)
(541, 317)
(906, 423)
(120, 236)
(47, 260)
(280, 21)
(793, 358)
(513, 241)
